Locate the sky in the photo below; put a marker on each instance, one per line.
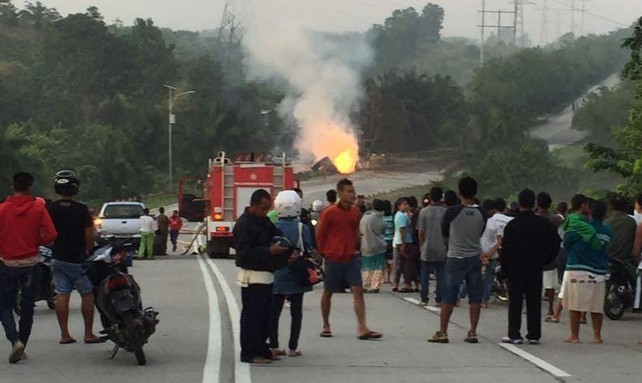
(462, 16)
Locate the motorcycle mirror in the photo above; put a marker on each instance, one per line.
(101, 254)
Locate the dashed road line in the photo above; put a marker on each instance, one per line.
(433, 309)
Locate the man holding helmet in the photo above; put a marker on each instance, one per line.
(76, 235)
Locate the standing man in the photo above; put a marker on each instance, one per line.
(338, 239)
(147, 229)
(431, 243)
(175, 225)
(163, 230)
(76, 235)
(401, 241)
(258, 259)
(491, 241)
(24, 226)
(530, 242)
(462, 228)
(551, 275)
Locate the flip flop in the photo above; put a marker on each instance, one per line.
(551, 320)
(67, 341)
(326, 334)
(370, 335)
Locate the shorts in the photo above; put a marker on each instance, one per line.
(549, 280)
(68, 276)
(337, 273)
(459, 270)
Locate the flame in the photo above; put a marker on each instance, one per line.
(345, 162)
(335, 140)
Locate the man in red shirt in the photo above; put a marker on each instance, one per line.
(175, 225)
(25, 225)
(338, 240)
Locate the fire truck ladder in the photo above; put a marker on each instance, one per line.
(279, 177)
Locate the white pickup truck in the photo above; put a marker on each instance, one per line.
(120, 219)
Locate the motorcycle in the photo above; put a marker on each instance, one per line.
(43, 281)
(619, 290)
(118, 300)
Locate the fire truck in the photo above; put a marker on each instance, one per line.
(228, 188)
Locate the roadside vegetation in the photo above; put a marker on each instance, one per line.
(78, 92)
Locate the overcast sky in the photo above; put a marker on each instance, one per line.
(462, 16)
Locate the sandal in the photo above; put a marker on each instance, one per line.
(551, 320)
(471, 338)
(326, 334)
(370, 335)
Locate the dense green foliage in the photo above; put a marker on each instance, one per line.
(75, 92)
(625, 158)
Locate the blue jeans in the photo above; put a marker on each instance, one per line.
(11, 280)
(438, 269)
(488, 280)
(459, 270)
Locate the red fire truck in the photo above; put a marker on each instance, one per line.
(228, 188)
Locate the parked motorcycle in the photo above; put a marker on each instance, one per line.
(43, 281)
(619, 290)
(117, 297)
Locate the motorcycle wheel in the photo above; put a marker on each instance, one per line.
(135, 344)
(613, 305)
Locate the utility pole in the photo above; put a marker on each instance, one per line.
(172, 120)
(583, 13)
(483, 32)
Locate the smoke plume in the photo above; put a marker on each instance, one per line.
(322, 73)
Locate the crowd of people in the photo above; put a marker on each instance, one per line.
(451, 240)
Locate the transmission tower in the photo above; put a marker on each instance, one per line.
(500, 26)
(543, 35)
(583, 13)
(230, 32)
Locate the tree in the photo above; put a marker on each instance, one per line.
(626, 159)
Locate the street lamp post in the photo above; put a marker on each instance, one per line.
(172, 120)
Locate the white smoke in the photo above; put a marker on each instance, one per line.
(322, 73)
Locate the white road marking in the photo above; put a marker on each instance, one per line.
(435, 310)
(241, 370)
(212, 369)
(536, 361)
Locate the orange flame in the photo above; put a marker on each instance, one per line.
(345, 162)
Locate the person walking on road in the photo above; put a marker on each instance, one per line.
(373, 247)
(462, 228)
(162, 222)
(147, 230)
(529, 243)
(586, 244)
(288, 205)
(431, 243)
(175, 226)
(25, 225)
(338, 240)
(258, 259)
(76, 235)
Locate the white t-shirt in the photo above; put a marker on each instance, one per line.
(147, 224)
(494, 226)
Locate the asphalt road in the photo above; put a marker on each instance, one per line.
(199, 307)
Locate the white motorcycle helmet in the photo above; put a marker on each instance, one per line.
(287, 204)
(317, 206)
